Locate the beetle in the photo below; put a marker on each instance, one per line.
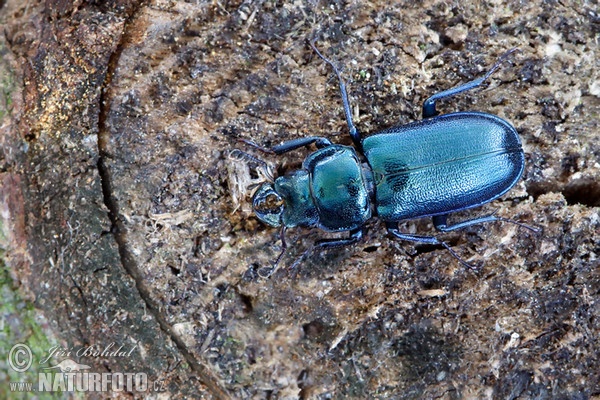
(429, 168)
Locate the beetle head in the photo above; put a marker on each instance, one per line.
(268, 204)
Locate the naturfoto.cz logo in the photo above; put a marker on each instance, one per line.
(69, 375)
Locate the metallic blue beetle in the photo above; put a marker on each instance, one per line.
(430, 168)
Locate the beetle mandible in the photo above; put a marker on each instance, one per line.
(428, 168)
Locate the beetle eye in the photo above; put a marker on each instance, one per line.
(271, 202)
(268, 205)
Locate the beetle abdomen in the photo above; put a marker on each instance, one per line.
(443, 164)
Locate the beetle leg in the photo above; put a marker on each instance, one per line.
(290, 145)
(355, 236)
(429, 104)
(354, 134)
(439, 221)
(392, 228)
(294, 144)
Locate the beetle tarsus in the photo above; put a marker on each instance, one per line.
(354, 134)
(299, 259)
(533, 229)
(460, 260)
(439, 221)
(499, 62)
(257, 146)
